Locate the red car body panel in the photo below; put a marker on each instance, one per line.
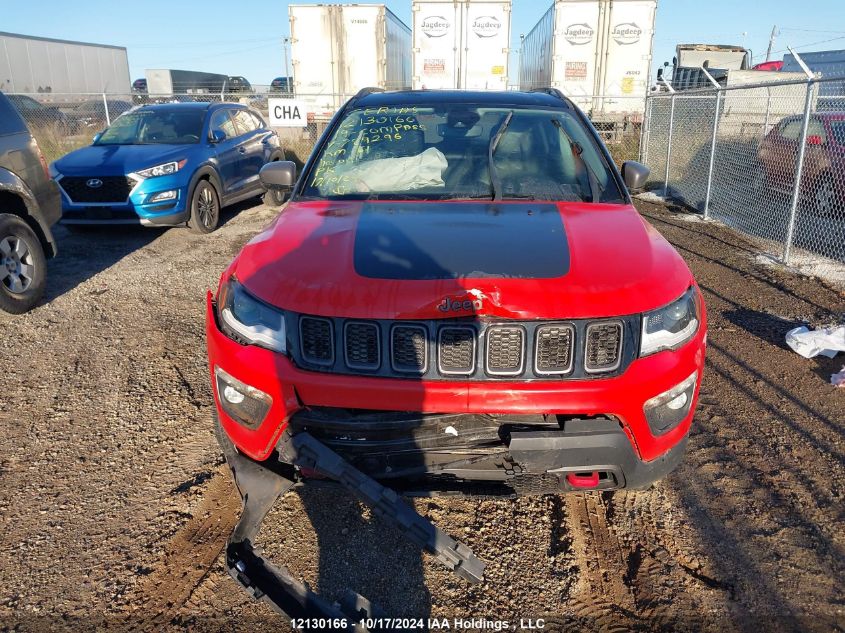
(292, 389)
(619, 265)
(303, 262)
(824, 155)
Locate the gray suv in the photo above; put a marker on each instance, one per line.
(29, 206)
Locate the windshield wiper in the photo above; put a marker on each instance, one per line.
(495, 183)
(583, 166)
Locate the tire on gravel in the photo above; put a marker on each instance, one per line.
(205, 208)
(23, 266)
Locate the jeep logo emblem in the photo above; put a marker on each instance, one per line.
(94, 183)
(459, 305)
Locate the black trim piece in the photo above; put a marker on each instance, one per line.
(453, 328)
(315, 360)
(537, 334)
(598, 324)
(522, 350)
(631, 326)
(364, 366)
(409, 326)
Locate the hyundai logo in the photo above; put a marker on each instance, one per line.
(94, 183)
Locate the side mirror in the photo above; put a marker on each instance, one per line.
(634, 174)
(217, 136)
(815, 139)
(280, 174)
(96, 137)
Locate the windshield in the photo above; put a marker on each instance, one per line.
(150, 127)
(455, 151)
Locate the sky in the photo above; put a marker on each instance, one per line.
(245, 38)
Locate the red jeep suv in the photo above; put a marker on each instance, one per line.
(458, 297)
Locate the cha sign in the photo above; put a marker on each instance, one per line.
(287, 113)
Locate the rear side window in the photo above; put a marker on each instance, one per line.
(221, 120)
(259, 122)
(838, 130)
(244, 121)
(10, 121)
(791, 130)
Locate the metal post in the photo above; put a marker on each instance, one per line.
(768, 110)
(106, 107)
(645, 131)
(712, 155)
(799, 168)
(669, 147)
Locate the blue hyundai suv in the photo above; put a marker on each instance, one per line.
(167, 165)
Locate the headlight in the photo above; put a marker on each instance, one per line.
(248, 320)
(164, 169)
(671, 326)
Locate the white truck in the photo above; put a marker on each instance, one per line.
(163, 82)
(461, 44)
(597, 52)
(43, 65)
(339, 49)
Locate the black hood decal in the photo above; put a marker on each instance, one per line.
(450, 240)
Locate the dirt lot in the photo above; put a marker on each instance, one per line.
(114, 504)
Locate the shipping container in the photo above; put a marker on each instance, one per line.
(597, 52)
(339, 49)
(167, 81)
(43, 65)
(461, 44)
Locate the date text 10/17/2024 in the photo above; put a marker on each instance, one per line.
(422, 624)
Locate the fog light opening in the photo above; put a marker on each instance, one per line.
(164, 195)
(246, 405)
(233, 395)
(677, 403)
(668, 409)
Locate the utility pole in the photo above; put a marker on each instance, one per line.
(771, 42)
(287, 69)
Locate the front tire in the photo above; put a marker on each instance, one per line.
(23, 266)
(205, 208)
(274, 198)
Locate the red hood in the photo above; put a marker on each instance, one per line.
(309, 261)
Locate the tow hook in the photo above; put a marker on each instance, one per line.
(583, 481)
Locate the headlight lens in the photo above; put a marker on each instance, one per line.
(250, 321)
(164, 169)
(671, 326)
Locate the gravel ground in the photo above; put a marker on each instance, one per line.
(114, 502)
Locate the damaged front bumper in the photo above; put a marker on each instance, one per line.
(260, 486)
(510, 455)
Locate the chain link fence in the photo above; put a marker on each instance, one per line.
(766, 159)
(64, 122)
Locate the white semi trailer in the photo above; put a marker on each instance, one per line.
(339, 49)
(43, 65)
(461, 44)
(597, 52)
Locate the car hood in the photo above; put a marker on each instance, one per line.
(412, 260)
(117, 160)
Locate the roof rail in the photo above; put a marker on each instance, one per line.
(554, 92)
